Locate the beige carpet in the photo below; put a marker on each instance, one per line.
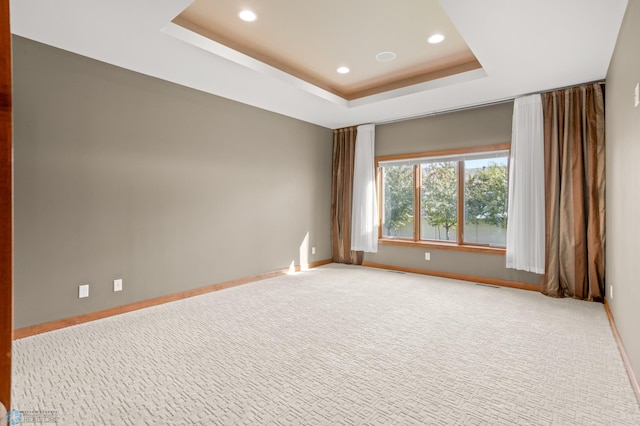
(339, 345)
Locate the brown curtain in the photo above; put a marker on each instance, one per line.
(574, 148)
(344, 148)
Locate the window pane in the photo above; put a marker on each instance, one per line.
(485, 204)
(397, 189)
(439, 200)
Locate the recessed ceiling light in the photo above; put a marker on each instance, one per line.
(343, 70)
(247, 15)
(385, 56)
(436, 38)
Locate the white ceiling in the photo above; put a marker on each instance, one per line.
(524, 46)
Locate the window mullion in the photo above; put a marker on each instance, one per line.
(417, 211)
(380, 195)
(460, 207)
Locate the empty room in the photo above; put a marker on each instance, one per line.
(224, 212)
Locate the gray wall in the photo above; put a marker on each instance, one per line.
(463, 129)
(119, 175)
(623, 196)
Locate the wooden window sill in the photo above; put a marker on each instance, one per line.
(444, 246)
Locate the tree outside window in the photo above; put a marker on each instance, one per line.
(398, 201)
(439, 201)
(485, 192)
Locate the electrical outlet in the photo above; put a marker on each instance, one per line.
(313, 250)
(427, 256)
(636, 95)
(117, 285)
(83, 291)
(611, 292)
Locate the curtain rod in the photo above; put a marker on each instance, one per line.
(481, 105)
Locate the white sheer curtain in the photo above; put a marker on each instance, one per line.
(525, 227)
(364, 214)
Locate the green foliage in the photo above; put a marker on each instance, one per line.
(398, 197)
(486, 196)
(439, 195)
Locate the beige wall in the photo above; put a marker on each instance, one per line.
(623, 196)
(119, 175)
(476, 127)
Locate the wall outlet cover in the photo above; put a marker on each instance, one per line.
(83, 291)
(117, 284)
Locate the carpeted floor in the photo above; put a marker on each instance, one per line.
(335, 345)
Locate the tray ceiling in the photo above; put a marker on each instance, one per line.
(311, 39)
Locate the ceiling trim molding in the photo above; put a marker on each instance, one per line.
(457, 74)
(198, 40)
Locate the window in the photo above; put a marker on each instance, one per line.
(485, 201)
(461, 197)
(398, 201)
(438, 200)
